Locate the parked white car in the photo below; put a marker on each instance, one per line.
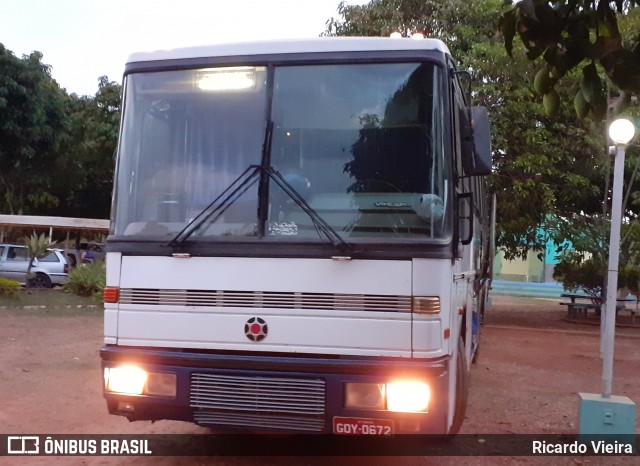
(48, 271)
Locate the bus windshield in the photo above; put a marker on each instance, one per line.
(361, 144)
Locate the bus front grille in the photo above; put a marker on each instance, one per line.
(266, 299)
(258, 422)
(274, 403)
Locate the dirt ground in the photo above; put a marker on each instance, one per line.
(531, 367)
(536, 362)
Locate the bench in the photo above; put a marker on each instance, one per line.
(580, 305)
(632, 312)
(580, 310)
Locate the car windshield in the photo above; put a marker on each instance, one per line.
(361, 144)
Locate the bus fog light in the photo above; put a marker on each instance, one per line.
(408, 396)
(364, 395)
(159, 384)
(128, 380)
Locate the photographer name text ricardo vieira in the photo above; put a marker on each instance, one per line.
(593, 447)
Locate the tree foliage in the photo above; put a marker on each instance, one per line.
(583, 266)
(543, 165)
(450, 20)
(585, 35)
(597, 46)
(382, 17)
(90, 150)
(31, 119)
(56, 150)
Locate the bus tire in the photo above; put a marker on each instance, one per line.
(462, 389)
(480, 311)
(474, 358)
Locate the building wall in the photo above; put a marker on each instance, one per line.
(531, 269)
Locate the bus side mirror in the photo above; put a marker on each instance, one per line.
(476, 145)
(481, 157)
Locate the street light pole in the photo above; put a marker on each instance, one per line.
(621, 131)
(605, 413)
(612, 272)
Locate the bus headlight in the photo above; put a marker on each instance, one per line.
(131, 380)
(161, 384)
(408, 396)
(400, 396)
(364, 395)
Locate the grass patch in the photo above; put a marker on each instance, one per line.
(54, 312)
(51, 298)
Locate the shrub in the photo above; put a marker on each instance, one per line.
(87, 280)
(9, 288)
(37, 248)
(578, 274)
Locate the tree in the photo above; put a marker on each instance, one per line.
(88, 154)
(382, 17)
(451, 20)
(583, 266)
(567, 35)
(584, 42)
(56, 150)
(543, 165)
(32, 120)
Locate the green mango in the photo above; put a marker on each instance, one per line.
(581, 105)
(542, 81)
(551, 102)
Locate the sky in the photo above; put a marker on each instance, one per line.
(84, 39)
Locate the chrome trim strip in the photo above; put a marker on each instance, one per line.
(266, 299)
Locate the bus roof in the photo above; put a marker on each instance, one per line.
(290, 46)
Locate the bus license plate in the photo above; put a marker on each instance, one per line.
(362, 426)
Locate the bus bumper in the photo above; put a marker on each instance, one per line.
(277, 393)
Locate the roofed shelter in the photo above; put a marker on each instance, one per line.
(67, 224)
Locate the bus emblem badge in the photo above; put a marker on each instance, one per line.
(256, 329)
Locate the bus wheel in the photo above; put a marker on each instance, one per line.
(462, 389)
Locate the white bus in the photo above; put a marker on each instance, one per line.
(299, 238)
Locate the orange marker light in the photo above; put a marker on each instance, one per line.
(111, 295)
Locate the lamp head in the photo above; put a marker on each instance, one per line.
(621, 131)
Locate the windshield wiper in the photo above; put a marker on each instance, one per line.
(238, 187)
(219, 205)
(320, 223)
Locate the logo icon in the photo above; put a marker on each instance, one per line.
(256, 329)
(23, 444)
